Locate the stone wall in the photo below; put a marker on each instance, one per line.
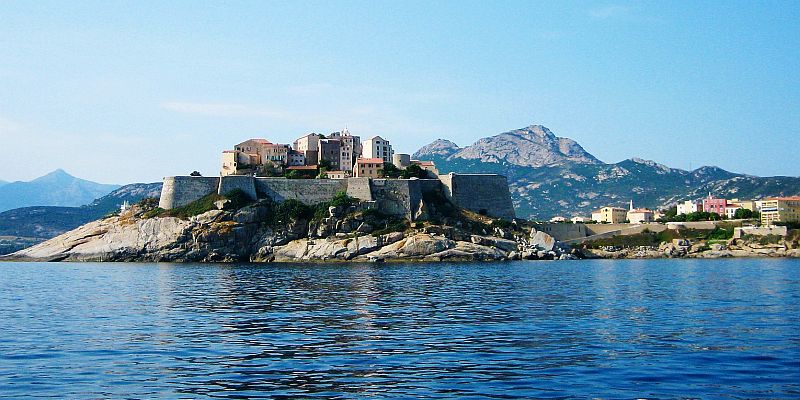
(359, 188)
(759, 231)
(483, 193)
(308, 191)
(181, 190)
(488, 194)
(246, 184)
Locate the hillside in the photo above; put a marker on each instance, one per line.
(552, 176)
(57, 188)
(44, 222)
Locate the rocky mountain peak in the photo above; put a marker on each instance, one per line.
(438, 148)
(533, 146)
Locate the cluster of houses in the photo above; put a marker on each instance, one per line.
(772, 210)
(342, 154)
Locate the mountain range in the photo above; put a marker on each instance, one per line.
(30, 225)
(550, 175)
(57, 188)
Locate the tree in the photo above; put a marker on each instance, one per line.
(195, 173)
(744, 213)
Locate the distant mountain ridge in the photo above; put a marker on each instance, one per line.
(550, 176)
(45, 222)
(57, 188)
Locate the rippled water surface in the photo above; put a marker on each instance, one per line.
(608, 329)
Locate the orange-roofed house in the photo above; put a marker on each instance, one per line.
(780, 209)
(369, 168)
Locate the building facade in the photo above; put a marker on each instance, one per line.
(715, 205)
(377, 147)
(369, 168)
(640, 216)
(611, 215)
(780, 209)
(689, 206)
(350, 148)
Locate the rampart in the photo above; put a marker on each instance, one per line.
(483, 193)
(486, 194)
(181, 190)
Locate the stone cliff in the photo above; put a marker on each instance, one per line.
(289, 231)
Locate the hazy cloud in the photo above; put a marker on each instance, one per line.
(610, 11)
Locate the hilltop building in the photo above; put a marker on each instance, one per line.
(350, 148)
(369, 168)
(377, 147)
(308, 146)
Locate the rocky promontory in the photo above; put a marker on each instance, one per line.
(217, 229)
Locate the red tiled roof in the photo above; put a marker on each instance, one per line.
(262, 141)
(640, 210)
(791, 198)
(303, 167)
(230, 151)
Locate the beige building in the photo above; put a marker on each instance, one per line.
(338, 174)
(746, 204)
(236, 162)
(369, 168)
(401, 161)
(308, 146)
(265, 150)
(612, 215)
(640, 216)
(377, 147)
(780, 209)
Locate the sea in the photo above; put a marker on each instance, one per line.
(608, 329)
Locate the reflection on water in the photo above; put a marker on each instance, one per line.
(662, 328)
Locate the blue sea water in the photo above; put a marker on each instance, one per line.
(602, 329)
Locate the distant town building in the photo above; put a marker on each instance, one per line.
(235, 162)
(308, 145)
(612, 215)
(369, 168)
(350, 148)
(338, 174)
(730, 210)
(714, 205)
(265, 150)
(689, 206)
(296, 158)
(746, 204)
(558, 219)
(780, 209)
(639, 215)
(576, 220)
(330, 150)
(377, 147)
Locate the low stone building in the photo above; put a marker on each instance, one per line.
(369, 168)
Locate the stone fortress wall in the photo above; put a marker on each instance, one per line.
(484, 193)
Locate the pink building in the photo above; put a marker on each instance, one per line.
(714, 205)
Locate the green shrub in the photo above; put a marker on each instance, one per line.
(238, 198)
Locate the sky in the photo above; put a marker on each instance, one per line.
(122, 92)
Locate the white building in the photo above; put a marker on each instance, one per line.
(730, 210)
(377, 147)
(689, 206)
(576, 220)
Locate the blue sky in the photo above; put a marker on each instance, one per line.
(133, 91)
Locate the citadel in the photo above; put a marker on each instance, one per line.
(315, 168)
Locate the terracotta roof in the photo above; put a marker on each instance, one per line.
(640, 210)
(303, 167)
(230, 151)
(369, 161)
(262, 141)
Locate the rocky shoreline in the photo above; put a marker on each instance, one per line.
(344, 233)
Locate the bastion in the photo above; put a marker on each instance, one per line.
(482, 193)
